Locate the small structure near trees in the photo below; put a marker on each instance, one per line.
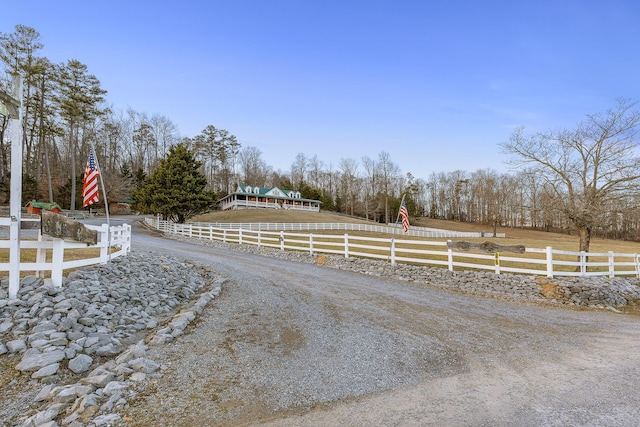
(36, 208)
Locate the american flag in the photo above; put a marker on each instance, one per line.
(404, 215)
(90, 186)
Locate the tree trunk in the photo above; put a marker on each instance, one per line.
(48, 167)
(585, 241)
(585, 238)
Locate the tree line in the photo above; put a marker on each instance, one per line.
(584, 179)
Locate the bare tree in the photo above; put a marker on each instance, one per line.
(349, 169)
(254, 169)
(369, 186)
(298, 170)
(389, 174)
(586, 169)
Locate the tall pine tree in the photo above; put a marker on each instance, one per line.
(176, 189)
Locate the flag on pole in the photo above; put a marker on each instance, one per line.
(404, 215)
(90, 186)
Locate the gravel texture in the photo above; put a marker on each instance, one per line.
(72, 353)
(240, 335)
(595, 292)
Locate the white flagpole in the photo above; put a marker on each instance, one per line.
(106, 202)
(393, 236)
(398, 217)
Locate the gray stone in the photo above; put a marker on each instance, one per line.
(147, 366)
(45, 326)
(67, 395)
(138, 377)
(100, 380)
(80, 363)
(5, 326)
(41, 418)
(40, 344)
(69, 353)
(44, 394)
(33, 362)
(66, 324)
(109, 350)
(46, 371)
(115, 387)
(107, 419)
(16, 346)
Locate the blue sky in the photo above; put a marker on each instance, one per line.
(437, 85)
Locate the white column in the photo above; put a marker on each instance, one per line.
(16, 193)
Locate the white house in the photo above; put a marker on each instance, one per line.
(247, 196)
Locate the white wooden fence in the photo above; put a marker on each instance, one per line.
(546, 262)
(340, 226)
(113, 242)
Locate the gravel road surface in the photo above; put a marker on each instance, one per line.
(288, 344)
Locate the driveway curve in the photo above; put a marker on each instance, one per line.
(288, 344)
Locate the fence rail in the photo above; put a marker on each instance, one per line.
(341, 226)
(113, 242)
(546, 262)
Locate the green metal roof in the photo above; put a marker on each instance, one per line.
(264, 191)
(44, 205)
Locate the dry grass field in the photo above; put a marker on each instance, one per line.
(29, 255)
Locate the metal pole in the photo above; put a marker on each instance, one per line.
(106, 202)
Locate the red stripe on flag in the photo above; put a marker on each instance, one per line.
(90, 185)
(404, 214)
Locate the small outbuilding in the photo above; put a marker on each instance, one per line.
(34, 207)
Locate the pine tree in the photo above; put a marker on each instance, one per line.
(176, 189)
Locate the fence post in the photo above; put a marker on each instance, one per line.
(393, 251)
(549, 252)
(612, 269)
(127, 245)
(450, 254)
(346, 245)
(224, 235)
(583, 263)
(239, 236)
(210, 232)
(497, 261)
(259, 237)
(282, 240)
(56, 262)
(104, 243)
(311, 244)
(41, 254)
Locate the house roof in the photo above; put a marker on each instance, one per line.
(274, 192)
(44, 205)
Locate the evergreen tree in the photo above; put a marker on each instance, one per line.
(176, 189)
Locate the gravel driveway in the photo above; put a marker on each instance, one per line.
(287, 344)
